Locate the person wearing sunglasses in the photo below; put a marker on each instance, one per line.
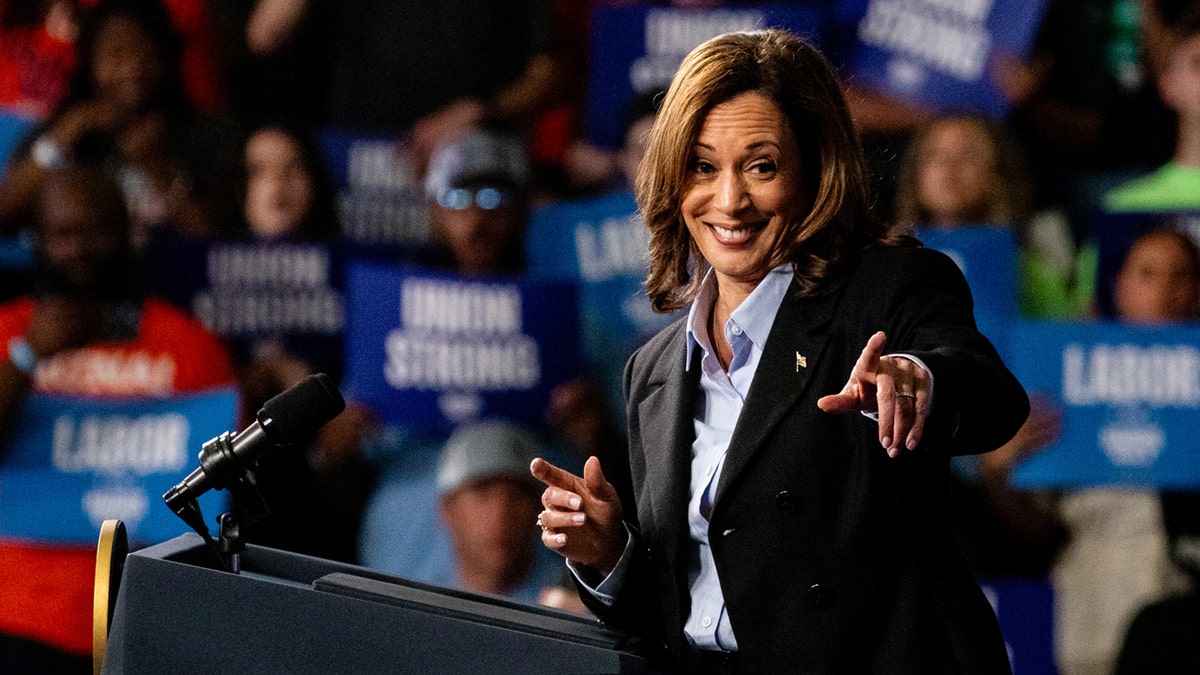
(477, 190)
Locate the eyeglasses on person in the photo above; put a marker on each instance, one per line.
(486, 198)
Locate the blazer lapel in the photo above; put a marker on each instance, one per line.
(667, 433)
(793, 349)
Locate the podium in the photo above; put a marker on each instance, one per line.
(176, 611)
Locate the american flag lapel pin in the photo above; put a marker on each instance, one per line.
(801, 361)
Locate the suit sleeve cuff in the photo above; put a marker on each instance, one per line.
(605, 589)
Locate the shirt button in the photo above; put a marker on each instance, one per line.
(736, 329)
(706, 621)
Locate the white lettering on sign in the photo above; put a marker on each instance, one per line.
(437, 362)
(1126, 374)
(233, 313)
(377, 165)
(671, 34)
(129, 505)
(674, 32)
(92, 371)
(292, 267)
(115, 444)
(454, 307)
(460, 335)
(968, 10)
(1135, 445)
(948, 36)
(374, 218)
(617, 247)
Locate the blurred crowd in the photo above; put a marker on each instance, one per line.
(453, 136)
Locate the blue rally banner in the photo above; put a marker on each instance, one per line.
(602, 244)
(987, 256)
(938, 53)
(71, 463)
(1130, 397)
(430, 350)
(251, 292)
(637, 48)
(380, 199)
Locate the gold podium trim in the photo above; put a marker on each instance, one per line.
(110, 562)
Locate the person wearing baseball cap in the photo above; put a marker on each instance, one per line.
(477, 188)
(487, 500)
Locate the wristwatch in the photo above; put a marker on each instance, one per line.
(22, 355)
(48, 154)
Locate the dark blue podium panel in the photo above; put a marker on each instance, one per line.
(288, 613)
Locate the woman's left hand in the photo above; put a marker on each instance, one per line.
(894, 387)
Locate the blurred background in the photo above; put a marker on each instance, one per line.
(204, 201)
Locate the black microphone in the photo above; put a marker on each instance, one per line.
(291, 417)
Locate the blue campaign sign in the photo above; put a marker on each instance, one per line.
(430, 350)
(250, 292)
(636, 49)
(1025, 610)
(987, 256)
(1130, 396)
(1114, 233)
(71, 463)
(381, 201)
(256, 289)
(593, 239)
(938, 53)
(602, 244)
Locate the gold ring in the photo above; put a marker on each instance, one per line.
(905, 394)
(540, 524)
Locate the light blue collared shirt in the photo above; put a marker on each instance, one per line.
(719, 404)
(722, 395)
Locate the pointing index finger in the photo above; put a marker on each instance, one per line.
(868, 361)
(552, 475)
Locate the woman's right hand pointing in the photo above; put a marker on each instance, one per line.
(582, 516)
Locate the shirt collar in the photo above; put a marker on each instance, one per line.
(755, 315)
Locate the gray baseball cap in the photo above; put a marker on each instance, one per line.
(485, 449)
(478, 156)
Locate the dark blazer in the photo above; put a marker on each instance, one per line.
(833, 558)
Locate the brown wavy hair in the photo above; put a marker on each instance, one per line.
(822, 241)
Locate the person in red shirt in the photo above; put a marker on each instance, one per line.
(37, 55)
(86, 331)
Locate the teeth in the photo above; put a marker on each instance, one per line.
(732, 236)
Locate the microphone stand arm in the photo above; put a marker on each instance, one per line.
(250, 508)
(226, 470)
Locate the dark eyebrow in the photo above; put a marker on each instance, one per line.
(753, 146)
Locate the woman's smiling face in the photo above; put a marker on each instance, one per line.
(744, 183)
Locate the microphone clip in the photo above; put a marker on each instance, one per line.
(226, 470)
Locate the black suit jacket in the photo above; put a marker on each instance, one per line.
(832, 557)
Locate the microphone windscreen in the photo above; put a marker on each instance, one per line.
(297, 413)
